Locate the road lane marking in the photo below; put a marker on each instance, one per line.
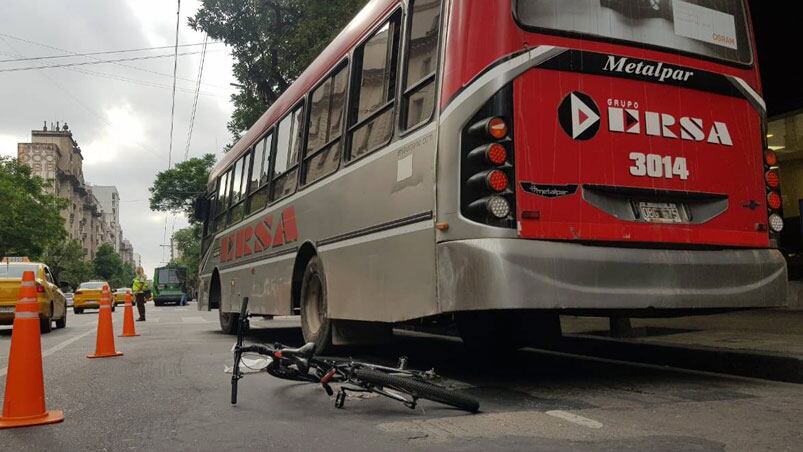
(575, 418)
(56, 347)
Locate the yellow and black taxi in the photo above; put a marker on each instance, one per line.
(52, 304)
(119, 295)
(87, 296)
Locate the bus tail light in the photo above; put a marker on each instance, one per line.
(487, 166)
(495, 206)
(493, 127)
(493, 180)
(491, 154)
(772, 178)
(774, 200)
(770, 157)
(776, 223)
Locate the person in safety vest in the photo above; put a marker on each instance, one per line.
(140, 289)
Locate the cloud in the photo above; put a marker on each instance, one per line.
(119, 113)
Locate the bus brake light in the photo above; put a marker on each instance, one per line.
(770, 157)
(774, 200)
(772, 178)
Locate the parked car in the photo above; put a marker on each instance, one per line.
(69, 297)
(87, 296)
(51, 300)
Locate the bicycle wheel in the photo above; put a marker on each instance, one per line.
(418, 389)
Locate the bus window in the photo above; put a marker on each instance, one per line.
(235, 186)
(288, 144)
(222, 201)
(371, 108)
(326, 120)
(259, 175)
(418, 100)
(240, 188)
(711, 28)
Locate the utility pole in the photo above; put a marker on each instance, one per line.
(172, 249)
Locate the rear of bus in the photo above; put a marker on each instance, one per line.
(170, 285)
(612, 156)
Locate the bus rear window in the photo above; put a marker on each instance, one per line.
(711, 28)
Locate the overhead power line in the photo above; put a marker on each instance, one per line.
(87, 54)
(173, 103)
(195, 100)
(86, 63)
(129, 66)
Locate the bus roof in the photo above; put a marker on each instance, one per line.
(365, 20)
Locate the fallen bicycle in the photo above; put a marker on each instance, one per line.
(300, 364)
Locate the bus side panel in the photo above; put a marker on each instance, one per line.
(235, 284)
(271, 286)
(380, 262)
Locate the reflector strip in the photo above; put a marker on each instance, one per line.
(26, 315)
(28, 284)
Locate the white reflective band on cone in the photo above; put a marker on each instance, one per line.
(27, 300)
(26, 315)
(28, 284)
(105, 306)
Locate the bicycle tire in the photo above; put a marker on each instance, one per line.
(418, 389)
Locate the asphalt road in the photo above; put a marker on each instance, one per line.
(169, 392)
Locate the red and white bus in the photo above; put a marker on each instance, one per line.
(500, 162)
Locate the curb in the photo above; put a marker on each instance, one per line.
(767, 366)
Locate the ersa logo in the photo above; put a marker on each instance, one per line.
(260, 236)
(580, 118)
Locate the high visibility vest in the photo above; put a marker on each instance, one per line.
(140, 285)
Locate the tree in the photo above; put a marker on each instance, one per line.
(30, 218)
(188, 243)
(272, 42)
(67, 262)
(175, 189)
(110, 267)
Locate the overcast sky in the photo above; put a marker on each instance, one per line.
(120, 115)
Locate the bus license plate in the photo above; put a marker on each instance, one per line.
(660, 212)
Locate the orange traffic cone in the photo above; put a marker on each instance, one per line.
(104, 344)
(128, 319)
(24, 403)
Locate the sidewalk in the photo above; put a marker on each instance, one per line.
(773, 332)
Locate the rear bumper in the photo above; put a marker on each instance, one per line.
(486, 274)
(168, 297)
(7, 318)
(89, 304)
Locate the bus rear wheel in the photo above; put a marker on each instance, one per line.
(315, 325)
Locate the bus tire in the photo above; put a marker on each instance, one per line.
(228, 321)
(315, 325)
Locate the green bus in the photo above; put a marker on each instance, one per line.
(170, 285)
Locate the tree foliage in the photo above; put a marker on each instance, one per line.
(67, 262)
(188, 244)
(29, 217)
(110, 267)
(175, 189)
(272, 42)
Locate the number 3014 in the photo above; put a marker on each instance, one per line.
(653, 165)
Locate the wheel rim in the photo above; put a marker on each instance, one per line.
(313, 306)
